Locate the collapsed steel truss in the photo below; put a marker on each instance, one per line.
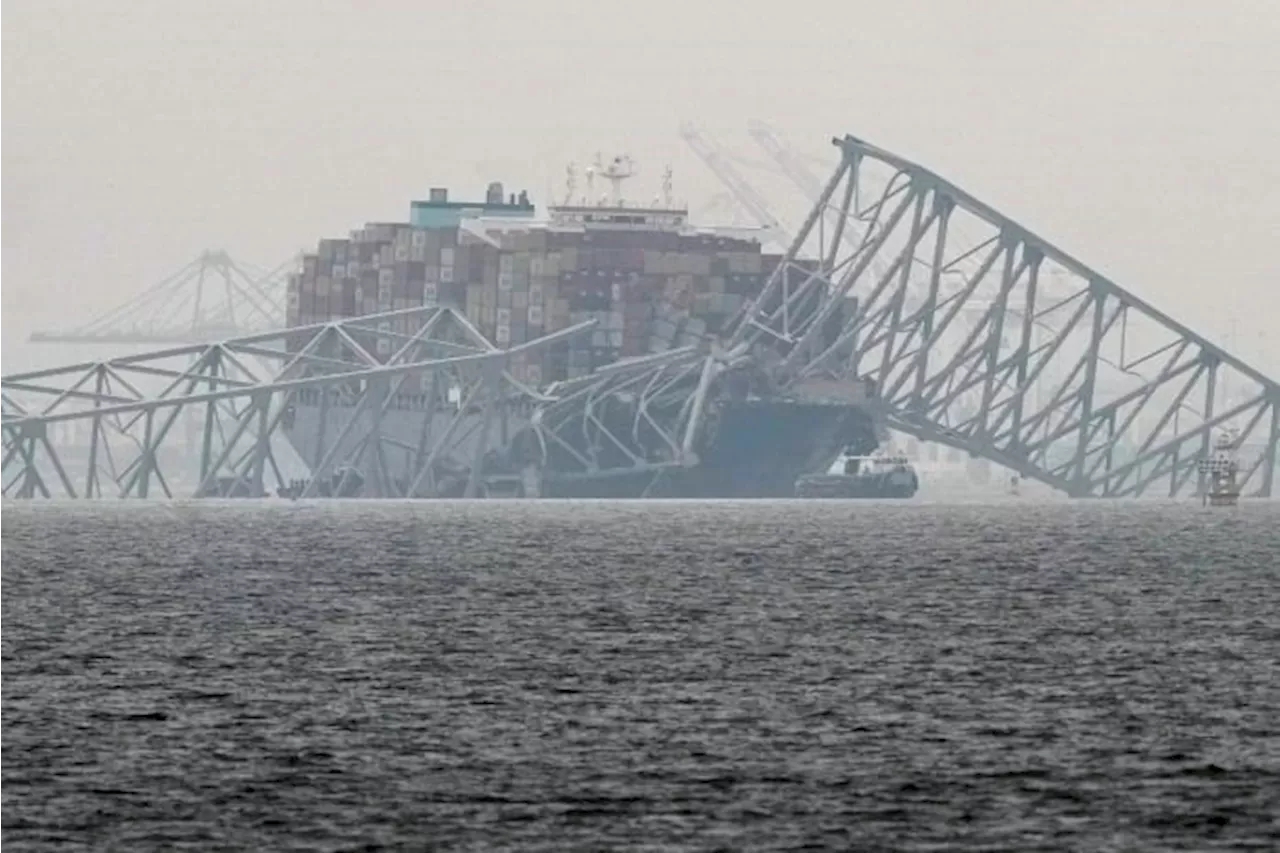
(1060, 375)
(968, 329)
(636, 417)
(238, 395)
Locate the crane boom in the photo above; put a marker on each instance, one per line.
(743, 192)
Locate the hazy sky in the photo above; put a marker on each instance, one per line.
(1144, 137)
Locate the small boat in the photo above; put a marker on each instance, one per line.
(875, 476)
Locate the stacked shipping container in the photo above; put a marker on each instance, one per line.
(648, 289)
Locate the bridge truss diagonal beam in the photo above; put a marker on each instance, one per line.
(980, 334)
(237, 400)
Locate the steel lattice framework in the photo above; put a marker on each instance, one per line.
(972, 331)
(900, 293)
(241, 393)
(1061, 375)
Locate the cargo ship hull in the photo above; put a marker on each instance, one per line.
(755, 449)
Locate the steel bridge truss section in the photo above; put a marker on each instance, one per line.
(641, 416)
(978, 334)
(237, 402)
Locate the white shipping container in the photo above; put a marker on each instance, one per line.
(446, 274)
(339, 270)
(429, 293)
(504, 334)
(446, 256)
(385, 277)
(536, 266)
(417, 253)
(505, 280)
(535, 293)
(504, 316)
(505, 263)
(535, 315)
(402, 252)
(419, 237)
(384, 347)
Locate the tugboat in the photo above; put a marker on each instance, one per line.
(875, 476)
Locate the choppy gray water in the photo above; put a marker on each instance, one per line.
(676, 676)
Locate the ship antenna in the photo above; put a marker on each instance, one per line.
(666, 186)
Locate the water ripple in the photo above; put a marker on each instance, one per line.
(564, 676)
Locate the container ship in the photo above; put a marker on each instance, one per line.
(649, 278)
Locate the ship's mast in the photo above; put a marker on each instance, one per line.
(570, 183)
(618, 170)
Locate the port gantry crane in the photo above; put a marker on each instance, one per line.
(210, 298)
(742, 191)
